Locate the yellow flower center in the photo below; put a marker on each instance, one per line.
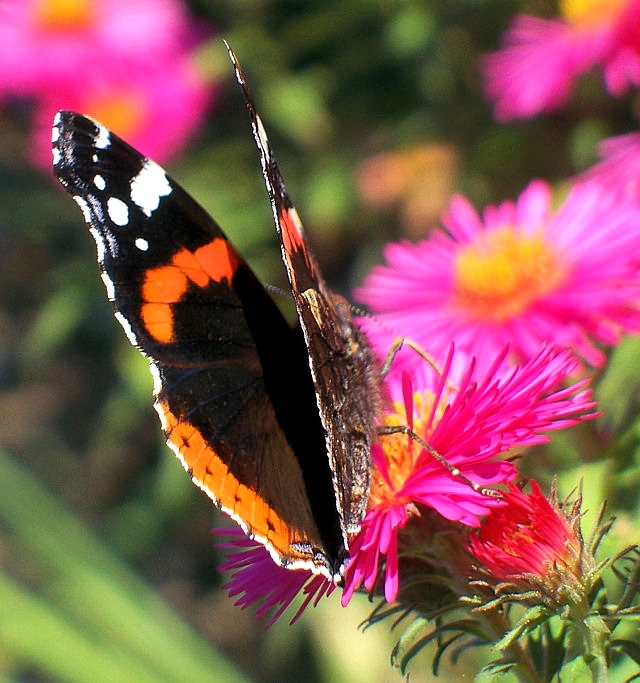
(121, 113)
(400, 451)
(590, 13)
(63, 15)
(500, 273)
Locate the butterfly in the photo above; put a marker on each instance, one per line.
(274, 423)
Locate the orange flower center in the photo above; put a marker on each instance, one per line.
(590, 13)
(63, 15)
(400, 451)
(501, 272)
(122, 113)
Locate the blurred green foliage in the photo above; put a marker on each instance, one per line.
(113, 533)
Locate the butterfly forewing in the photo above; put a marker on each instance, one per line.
(232, 385)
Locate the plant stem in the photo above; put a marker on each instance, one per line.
(524, 668)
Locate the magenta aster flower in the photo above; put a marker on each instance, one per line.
(536, 548)
(522, 275)
(128, 64)
(256, 578)
(47, 43)
(470, 426)
(525, 536)
(540, 58)
(157, 110)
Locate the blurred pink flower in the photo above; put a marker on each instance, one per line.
(540, 59)
(48, 44)
(470, 426)
(619, 169)
(524, 274)
(156, 112)
(130, 65)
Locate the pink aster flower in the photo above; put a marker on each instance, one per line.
(522, 275)
(471, 427)
(48, 43)
(129, 65)
(157, 111)
(540, 59)
(526, 536)
(533, 545)
(256, 578)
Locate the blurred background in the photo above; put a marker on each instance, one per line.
(376, 113)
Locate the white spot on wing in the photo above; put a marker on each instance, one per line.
(295, 219)
(149, 186)
(94, 158)
(262, 135)
(103, 138)
(56, 155)
(99, 181)
(142, 244)
(100, 244)
(157, 388)
(118, 211)
(55, 131)
(112, 242)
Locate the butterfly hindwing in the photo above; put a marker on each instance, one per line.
(344, 369)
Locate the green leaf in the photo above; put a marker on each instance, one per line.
(629, 647)
(494, 671)
(530, 619)
(84, 606)
(575, 670)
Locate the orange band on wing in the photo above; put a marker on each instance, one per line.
(291, 230)
(211, 473)
(158, 321)
(166, 285)
(219, 259)
(293, 240)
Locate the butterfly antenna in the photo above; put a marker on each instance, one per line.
(278, 291)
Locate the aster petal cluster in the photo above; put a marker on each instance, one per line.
(522, 274)
(255, 578)
(529, 542)
(539, 60)
(471, 428)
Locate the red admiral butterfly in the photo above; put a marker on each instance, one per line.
(274, 423)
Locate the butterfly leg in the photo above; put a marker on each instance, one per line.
(398, 343)
(453, 471)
